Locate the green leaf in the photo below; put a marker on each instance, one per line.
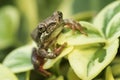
(60, 78)
(6, 74)
(21, 76)
(80, 59)
(113, 28)
(108, 74)
(53, 77)
(105, 16)
(9, 21)
(19, 60)
(71, 75)
(115, 66)
(76, 38)
(99, 54)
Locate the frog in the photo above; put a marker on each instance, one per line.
(45, 36)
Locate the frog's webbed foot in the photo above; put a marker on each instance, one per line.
(74, 25)
(38, 63)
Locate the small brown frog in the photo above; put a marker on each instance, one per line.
(45, 35)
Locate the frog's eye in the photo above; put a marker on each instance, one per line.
(41, 28)
(60, 15)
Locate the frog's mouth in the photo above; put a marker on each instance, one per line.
(56, 32)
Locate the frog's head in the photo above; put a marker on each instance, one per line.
(49, 28)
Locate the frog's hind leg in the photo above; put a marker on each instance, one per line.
(38, 63)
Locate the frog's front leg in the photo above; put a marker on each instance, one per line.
(74, 25)
(38, 62)
(45, 54)
(53, 54)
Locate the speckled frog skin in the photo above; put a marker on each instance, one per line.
(45, 35)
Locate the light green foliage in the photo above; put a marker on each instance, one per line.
(85, 57)
(6, 74)
(108, 74)
(92, 53)
(9, 23)
(19, 59)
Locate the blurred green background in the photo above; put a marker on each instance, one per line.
(19, 17)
